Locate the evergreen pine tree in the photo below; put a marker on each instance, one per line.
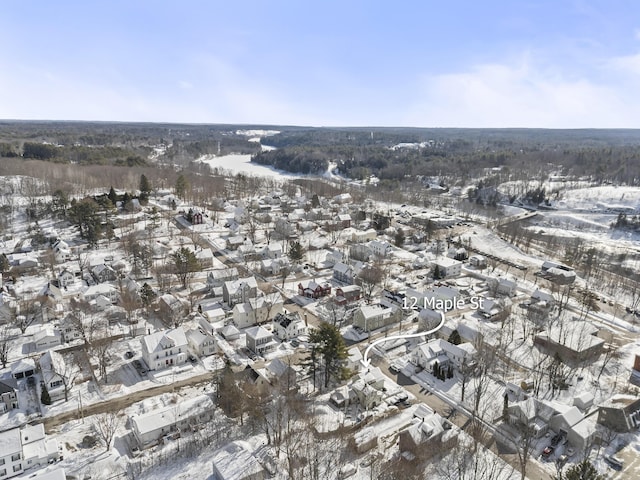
(113, 196)
(45, 398)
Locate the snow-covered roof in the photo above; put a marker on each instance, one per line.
(46, 331)
(234, 461)
(52, 361)
(100, 289)
(197, 337)
(22, 365)
(10, 442)
(230, 331)
(572, 416)
(155, 341)
(258, 332)
(156, 419)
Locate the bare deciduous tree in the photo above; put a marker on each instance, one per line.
(6, 344)
(105, 425)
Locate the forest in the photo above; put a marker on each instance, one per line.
(450, 156)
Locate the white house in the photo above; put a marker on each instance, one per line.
(187, 414)
(363, 236)
(8, 395)
(202, 343)
(288, 325)
(23, 368)
(66, 278)
(47, 337)
(478, 261)
(104, 289)
(239, 291)
(273, 266)
(380, 248)
(334, 257)
(259, 340)
(257, 310)
(103, 273)
(165, 349)
(443, 352)
(234, 461)
(447, 267)
(271, 251)
(372, 317)
(205, 257)
(502, 286)
(70, 328)
(343, 273)
(52, 366)
(61, 251)
(24, 448)
(216, 278)
(11, 459)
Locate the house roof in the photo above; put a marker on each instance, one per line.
(6, 388)
(572, 416)
(342, 267)
(230, 331)
(258, 332)
(197, 337)
(234, 461)
(576, 336)
(10, 441)
(100, 289)
(162, 417)
(372, 311)
(52, 361)
(278, 368)
(446, 262)
(46, 331)
(286, 319)
(233, 286)
(23, 365)
(175, 337)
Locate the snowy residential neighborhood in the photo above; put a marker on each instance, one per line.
(261, 327)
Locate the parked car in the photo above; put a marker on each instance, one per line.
(548, 451)
(614, 462)
(394, 368)
(192, 358)
(129, 354)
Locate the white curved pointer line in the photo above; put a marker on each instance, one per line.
(366, 361)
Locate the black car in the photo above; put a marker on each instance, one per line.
(129, 354)
(192, 358)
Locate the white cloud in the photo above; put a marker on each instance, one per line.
(523, 95)
(629, 64)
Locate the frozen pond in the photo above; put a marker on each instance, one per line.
(238, 163)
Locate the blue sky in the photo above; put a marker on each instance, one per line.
(551, 64)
